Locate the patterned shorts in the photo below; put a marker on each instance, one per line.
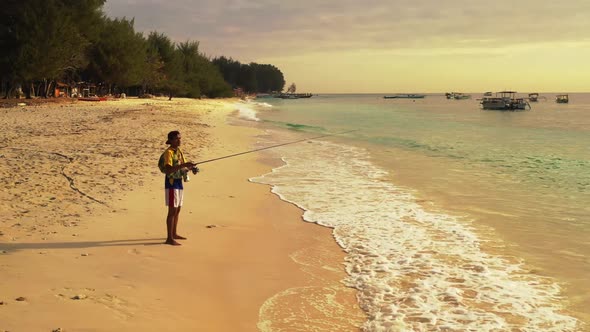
(174, 197)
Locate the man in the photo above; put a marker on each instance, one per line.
(173, 164)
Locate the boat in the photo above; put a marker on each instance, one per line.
(457, 95)
(405, 96)
(562, 99)
(290, 94)
(487, 94)
(533, 97)
(294, 95)
(507, 101)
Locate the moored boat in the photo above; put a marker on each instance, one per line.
(457, 95)
(507, 101)
(533, 97)
(405, 96)
(562, 99)
(294, 95)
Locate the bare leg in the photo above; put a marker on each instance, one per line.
(174, 233)
(171, 226)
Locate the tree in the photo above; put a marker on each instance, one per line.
(268, 77)
(169, 74)
(190, 63)
(119, 57)
(8, 46)
(229, 68)
(247, 79)
(43, 39)
(253, 77)
(292, 88)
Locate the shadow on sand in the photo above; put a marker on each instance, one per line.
(12, 247)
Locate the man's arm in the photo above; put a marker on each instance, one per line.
(172, 169)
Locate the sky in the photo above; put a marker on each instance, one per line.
(387, 46)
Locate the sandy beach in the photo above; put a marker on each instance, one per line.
(82, 226)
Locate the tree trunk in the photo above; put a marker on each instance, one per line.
(38, 91)
(8, 90)
(30, 90)
(48, 92)
(43, 92)
(4, 88)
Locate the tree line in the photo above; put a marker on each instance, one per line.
(46, 43)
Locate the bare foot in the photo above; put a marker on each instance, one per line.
(179, 237)
(172, 242)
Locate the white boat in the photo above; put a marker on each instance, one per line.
(405, 96)
(457, 95)
(533, 97)
(507, 101)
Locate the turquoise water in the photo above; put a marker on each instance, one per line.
(498, 201)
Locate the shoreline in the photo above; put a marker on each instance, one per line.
(84, 265)
(311, 163)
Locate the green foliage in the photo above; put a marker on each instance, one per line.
(253, 77)
(45, 41)
(268, 77)
(72, 40)
(199, 75)
(230, 69)
(119, 56)
(8, 39)
(184, 70)
(190, 64)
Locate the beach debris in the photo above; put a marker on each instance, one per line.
(3, 252)
(211, 226)
(84, 254)
(20, 299)
(79, 297)
(2, 303)
(57, 330)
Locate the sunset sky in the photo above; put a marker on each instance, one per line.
(344, 46)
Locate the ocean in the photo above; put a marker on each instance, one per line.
(452, 218)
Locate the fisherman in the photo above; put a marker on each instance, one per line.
(173, 164)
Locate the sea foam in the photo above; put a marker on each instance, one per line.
(414, 270)
(247, 111)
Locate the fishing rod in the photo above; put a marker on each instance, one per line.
(273, 146)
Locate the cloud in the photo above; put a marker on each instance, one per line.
(246, 29)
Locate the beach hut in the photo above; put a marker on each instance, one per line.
(61, 90)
